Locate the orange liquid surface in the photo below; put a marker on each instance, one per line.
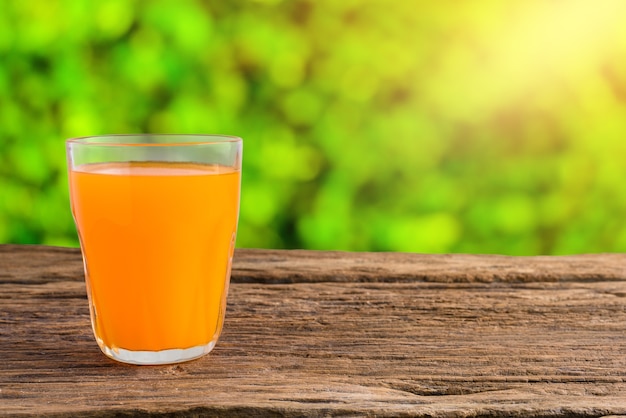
(158, 240)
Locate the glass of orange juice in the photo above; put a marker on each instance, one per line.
(157, 219)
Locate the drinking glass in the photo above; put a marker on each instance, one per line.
(157, 219)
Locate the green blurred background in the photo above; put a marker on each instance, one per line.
(377, 125)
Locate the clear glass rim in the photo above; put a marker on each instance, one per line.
(125, 140)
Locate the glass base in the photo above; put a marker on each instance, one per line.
(157, 357)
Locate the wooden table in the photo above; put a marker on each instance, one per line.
(337, 334)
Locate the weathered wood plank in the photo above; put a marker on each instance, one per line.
(323, 334)
(300, 266)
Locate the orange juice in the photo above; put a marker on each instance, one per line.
(157, 240)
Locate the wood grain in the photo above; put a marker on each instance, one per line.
(337, 334)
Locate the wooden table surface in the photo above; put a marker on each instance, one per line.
(337, 334)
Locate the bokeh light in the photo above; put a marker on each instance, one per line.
(483, 126)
